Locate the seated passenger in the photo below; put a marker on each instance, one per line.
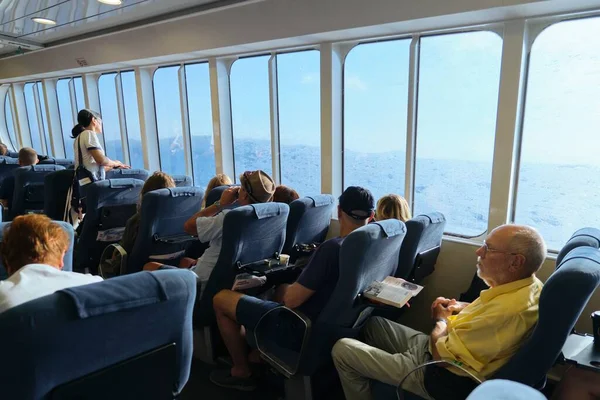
(481, 337)
(285, 194)
(256, 187)
(33, 252)
(309, 293)
(578, 383)
(158, 180)
(216, 181)
(27, 156)
(3, 149)
(392, 206)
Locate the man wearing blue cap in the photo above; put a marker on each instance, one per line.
(309, 293)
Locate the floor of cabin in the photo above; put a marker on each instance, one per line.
(200, 387)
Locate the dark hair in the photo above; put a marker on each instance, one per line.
(284, 194)
(84, 118)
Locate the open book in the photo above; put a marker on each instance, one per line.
(392, 291)
(248, 281)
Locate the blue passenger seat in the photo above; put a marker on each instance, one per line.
(215, 194)
(368, 254)
(182, 180)
(68, 260)
(161, 236)
(7, 166)
(57, 201)
(110, 203)
(421, 247)
(57, 161)
(119, 173)
(124, 338)
(308, 222)
(28, 196)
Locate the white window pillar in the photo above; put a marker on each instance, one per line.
(185, 123)
(274, 111)
(332, 118)
(20, 116)
(4, 136)
(411, 129)
(221, 113)
(122, 120)
(147, 113)
(508, 121)
(57, 143)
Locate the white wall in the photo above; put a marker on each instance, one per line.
(269, 24)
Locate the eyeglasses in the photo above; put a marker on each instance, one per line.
(487, 249)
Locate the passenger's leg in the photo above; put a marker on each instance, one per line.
(225, 305)
(578, 384)
(152, 266)
(187, 262)
(399, 350)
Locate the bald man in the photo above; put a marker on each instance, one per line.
(480, 336)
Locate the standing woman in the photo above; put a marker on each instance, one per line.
(88, 146)
(90, 161)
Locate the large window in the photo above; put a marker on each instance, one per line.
(457, 100)
(559, 168)
(44, 118)
(167, 101)
(10, 124)
(32, 117)
(298, 84)
(249, 85)
(132, 119)
(66, 111)
(375, 110)
(109, 109)
(197, 82)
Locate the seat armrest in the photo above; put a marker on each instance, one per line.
(278, 346)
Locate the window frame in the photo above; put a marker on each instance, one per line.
(8, 100)
(120, 101)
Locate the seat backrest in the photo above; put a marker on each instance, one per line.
(58, 161)
(7, 166)
(215, 194)
(182, 180)
(68, 260)
(563, 298)
(421, 246)
(110, 203)
(163, 214)
(308, 221)
(119, 173)
(368, 254)
(56, 190)
(12, 154)
(582, 237)
(29, 188)
(250, 233)
(81, 330)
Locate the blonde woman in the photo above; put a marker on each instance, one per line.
(216, 181)
(393, 206)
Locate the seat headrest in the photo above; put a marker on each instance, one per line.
(268, 210)
(11, 161)
(42, 168)
(124, 183)
(321, 200)
(117, 294)
(391, 227)
(434, 217)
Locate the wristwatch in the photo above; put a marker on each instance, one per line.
(444, 320)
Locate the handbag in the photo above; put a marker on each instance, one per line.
(82, 177)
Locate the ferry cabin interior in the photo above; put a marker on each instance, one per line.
(484, 111)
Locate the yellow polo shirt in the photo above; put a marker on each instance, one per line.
(489, 331)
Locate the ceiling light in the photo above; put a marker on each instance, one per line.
(44, 21)
(111, 2)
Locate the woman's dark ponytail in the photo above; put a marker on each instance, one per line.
(84, 119)
(77, 129)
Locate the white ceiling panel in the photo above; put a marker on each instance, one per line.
(79, 17)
